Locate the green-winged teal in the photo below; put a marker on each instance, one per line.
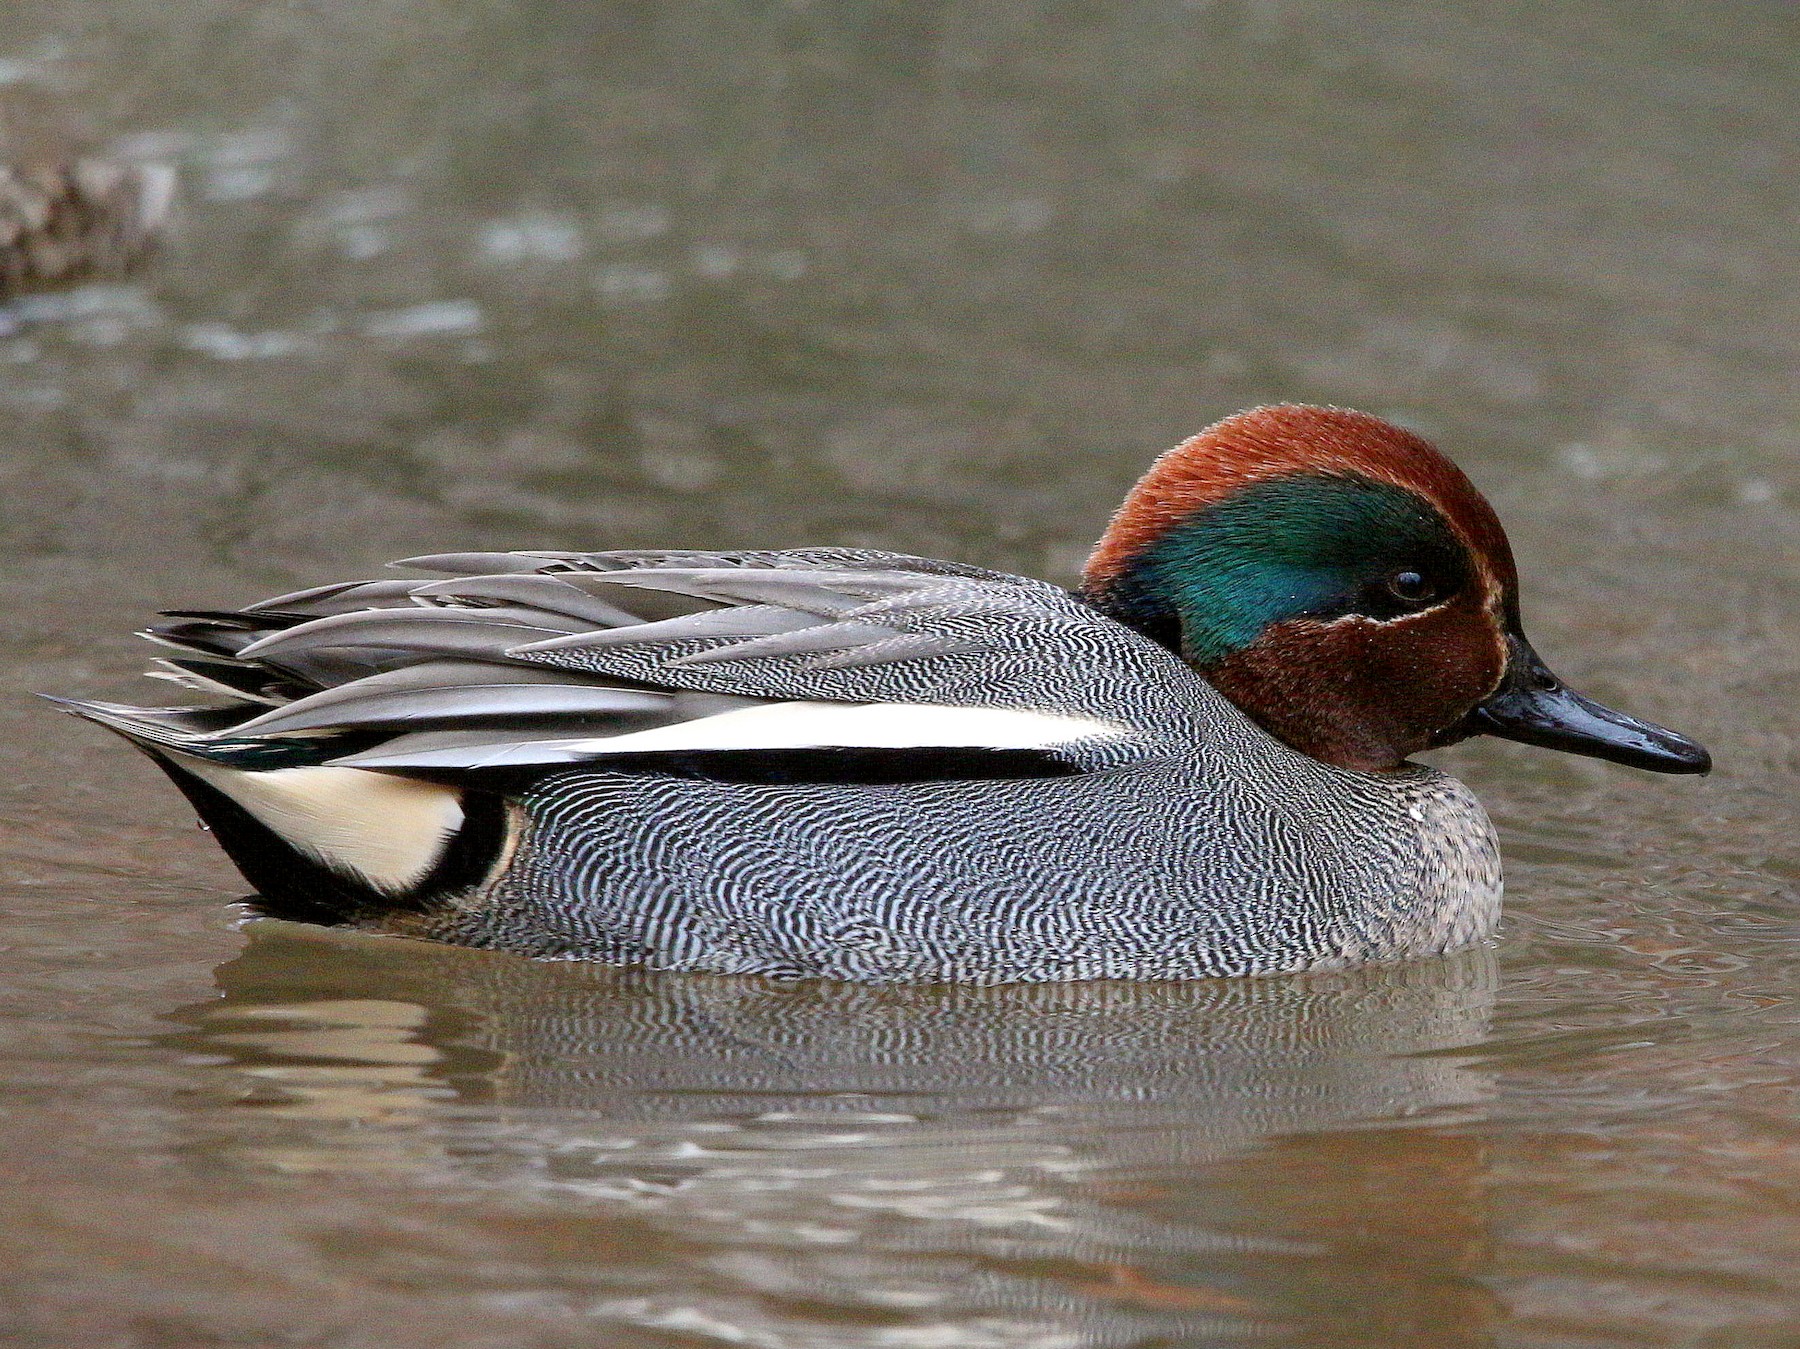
(870, 766)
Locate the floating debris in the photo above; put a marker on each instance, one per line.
(67, 223)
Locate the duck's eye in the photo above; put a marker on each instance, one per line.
(1411, 587)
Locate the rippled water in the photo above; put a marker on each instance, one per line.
(941, 277)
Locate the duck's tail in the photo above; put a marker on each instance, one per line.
(320, 843)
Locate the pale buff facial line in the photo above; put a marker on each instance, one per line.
(1312, 623)
(1493, 602)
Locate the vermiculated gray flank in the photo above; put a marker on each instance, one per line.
(1180, 839)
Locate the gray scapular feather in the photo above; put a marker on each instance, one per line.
(537, 658)
(358, 704)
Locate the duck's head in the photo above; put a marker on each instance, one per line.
(1345, 585)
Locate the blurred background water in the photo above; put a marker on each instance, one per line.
(937, 276)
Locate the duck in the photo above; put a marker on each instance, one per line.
(861, 765)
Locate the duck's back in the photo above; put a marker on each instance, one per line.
(826, 762)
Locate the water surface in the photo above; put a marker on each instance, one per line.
(939, 277)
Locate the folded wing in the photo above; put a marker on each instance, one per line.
(530, 661)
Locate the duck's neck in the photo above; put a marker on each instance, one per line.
(1141, 609)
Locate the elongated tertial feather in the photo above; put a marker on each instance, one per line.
(343, 708)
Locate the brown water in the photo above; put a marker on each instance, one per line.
(941, 277)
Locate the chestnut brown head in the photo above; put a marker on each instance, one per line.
(1345, 585)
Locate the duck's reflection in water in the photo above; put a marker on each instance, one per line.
(833, 1165)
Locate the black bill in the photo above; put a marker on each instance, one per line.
(1533, 706)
